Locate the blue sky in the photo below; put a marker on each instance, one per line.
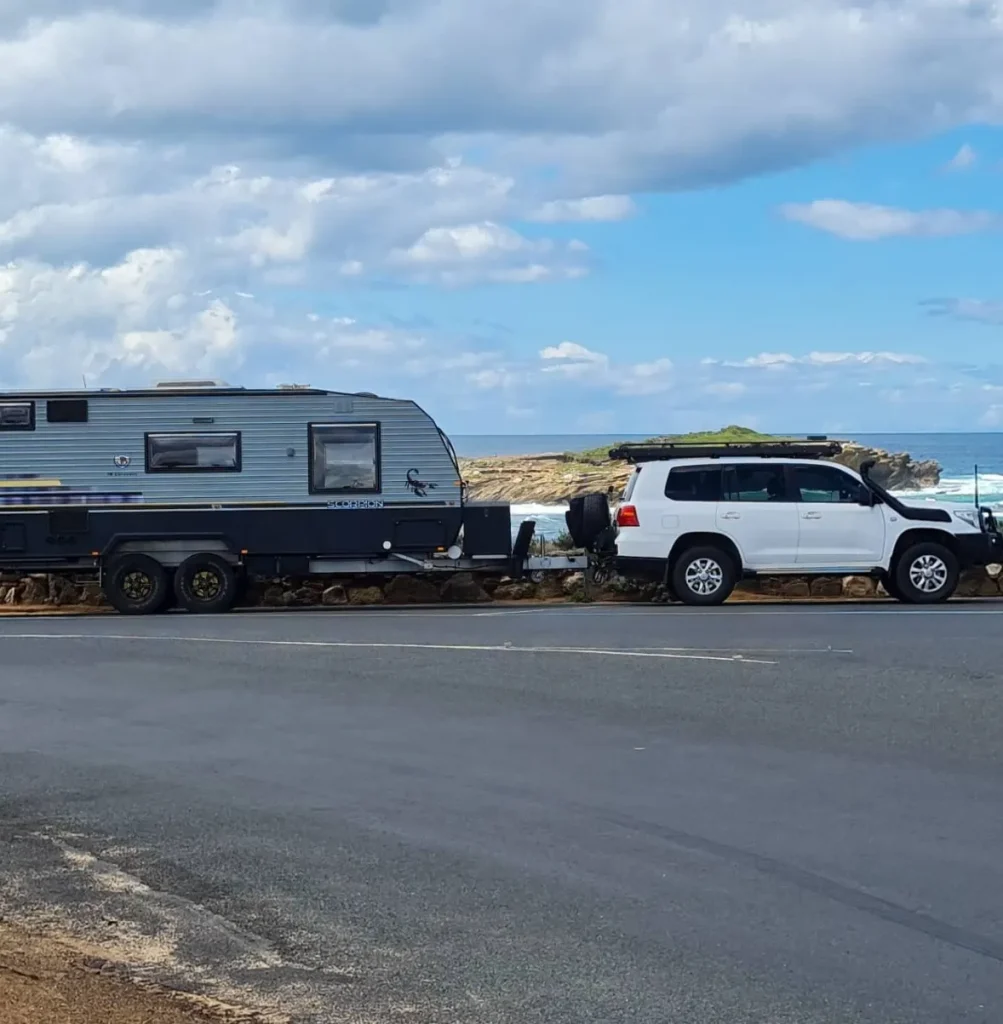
(607, 216)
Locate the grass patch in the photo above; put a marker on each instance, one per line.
(731, 433)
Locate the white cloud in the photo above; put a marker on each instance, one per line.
(726, 389)
(570, 352)
(136, 317)
(866, 222)
(593, 208)
(992, 417)
(784, 360)
(963, 160)
(609, 92)
(572, 361)
(981, 310)
(148, 216)
(486, 252)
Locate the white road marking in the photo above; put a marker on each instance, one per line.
(750, 650)
(502, 648)
(787, 610)
(668, 612)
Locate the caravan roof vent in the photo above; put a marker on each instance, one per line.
(188, 384)
(293, 387)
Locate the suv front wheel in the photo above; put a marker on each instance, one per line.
(703, 576)
(925, 573)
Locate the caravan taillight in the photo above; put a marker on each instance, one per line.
(626, 515)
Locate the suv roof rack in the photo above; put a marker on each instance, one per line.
(658, 451)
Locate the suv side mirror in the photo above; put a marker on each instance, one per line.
(866, 498)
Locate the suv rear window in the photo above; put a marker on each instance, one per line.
(694, 483)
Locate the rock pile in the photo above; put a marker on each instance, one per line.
(41, 591)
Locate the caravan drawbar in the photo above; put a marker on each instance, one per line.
(182, 490)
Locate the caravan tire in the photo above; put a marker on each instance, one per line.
(136, 585)
(205, 583)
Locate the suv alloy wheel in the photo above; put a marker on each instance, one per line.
(703, 576)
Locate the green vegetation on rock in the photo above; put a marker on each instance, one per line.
(729, 434)
(553, 478)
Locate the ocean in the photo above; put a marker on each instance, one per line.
(958, 455)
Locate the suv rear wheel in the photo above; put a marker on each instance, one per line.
(703, 576)
(925, 573)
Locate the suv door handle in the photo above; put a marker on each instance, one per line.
(811, 515)
(731, 515)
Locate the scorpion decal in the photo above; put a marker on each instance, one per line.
(419, 486)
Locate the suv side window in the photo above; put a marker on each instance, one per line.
(755, 483)
(826, 484)
(694, 483)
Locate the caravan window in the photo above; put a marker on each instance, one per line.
(17, 416)
(193, 453)
(344, 458)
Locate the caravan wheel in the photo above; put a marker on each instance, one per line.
(136, 585)
(205, 583)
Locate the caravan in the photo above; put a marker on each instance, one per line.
(182, 489)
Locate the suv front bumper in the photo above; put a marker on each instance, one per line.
(976, 549)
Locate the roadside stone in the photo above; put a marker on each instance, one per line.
(827, 586)
(573, 584)
(752, 585)
(464, 589)
(515, 590)
(976, 583)
(406, 589)
(859, 586)
(796, 588)
(273, 597)
(334, 595)
(61, 591)
(365, 596)
(92, 595)
(36, 590)
(11, 596)
(994, 569)
(550, 587)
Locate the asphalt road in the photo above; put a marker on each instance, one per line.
(593, 814)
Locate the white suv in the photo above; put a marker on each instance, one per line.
(698, 519)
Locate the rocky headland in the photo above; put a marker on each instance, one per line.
(556, 478)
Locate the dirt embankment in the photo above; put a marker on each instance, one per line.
(46, 980)
(556, 478)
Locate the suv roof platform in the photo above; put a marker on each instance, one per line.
(660, 451)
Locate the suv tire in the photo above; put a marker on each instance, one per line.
(925, 573)
(703, 576)
(888, 582)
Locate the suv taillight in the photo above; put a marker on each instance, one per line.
(626, 515)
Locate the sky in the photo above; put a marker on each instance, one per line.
(531, 216)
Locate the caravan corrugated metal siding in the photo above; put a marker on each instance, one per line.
(92, 456)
